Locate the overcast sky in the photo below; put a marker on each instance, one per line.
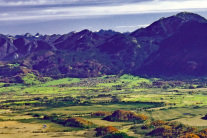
(63, 16)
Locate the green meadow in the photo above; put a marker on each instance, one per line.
(27, 104)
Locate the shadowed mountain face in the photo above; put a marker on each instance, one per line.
(170, 46)
(167, 26)
(83, 40)
(26, 47)
(6, 46)
(182, 53)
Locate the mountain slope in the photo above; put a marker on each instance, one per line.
(168, 26)
(182, 53)
(80, 41)
(169, 46)
(6, 46)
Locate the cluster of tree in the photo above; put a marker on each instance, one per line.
(79, 122)
(104, 95)
(167, 84)
(101, 114)
(145, 85)
(202, 133)
(122, 115)
(173, 129)
(14, 73)
(110, 132)
(118, 135)
(89, 82)
(44, 101)
(103, 130)
(72, 122)
(66, 101)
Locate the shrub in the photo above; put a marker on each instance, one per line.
(30, 79)
(101, 113)
(121, 115)
(178, 125)
(118, 135)
(191, 129)
(164, 131)
(190, 135)
(78, 122)
(203, 133)
(103, 130)
(140, 117)
(36, 115)
(158, 123)
(73, 122)
(172, 129)
(52, 117)
(147, 126)
(191, 87)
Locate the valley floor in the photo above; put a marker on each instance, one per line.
(23, 108)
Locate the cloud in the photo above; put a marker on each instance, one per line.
(132, 26)
(55, 2)
(68, 11)
(34, 2)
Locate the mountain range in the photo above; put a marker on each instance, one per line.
(176, 45)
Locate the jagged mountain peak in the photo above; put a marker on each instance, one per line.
(107, 33)
(38, 35)
(10, 36)
(27, 35)
(104, 31)
(85, 31)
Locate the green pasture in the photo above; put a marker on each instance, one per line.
(177, 113)
(128, 80)
(50, 126)
(60, 81)
(178, 100)
(101, 122)
(34, 86)
(87, 109)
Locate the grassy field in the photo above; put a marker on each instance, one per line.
(74, 97)
(178, 100)
(60, 81)
(177, 113)
(87, 109)
(101, 122)
(34, 128)
(129, 79)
